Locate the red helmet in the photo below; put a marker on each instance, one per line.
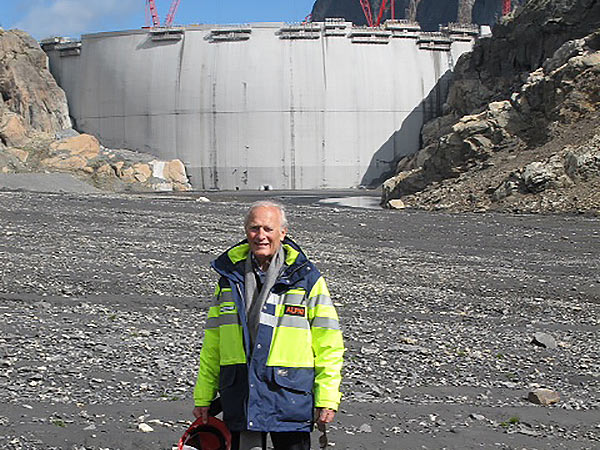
(212, 435)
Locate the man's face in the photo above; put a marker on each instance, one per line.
(264, 232)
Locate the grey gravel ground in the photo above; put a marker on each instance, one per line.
(103, 301)
(45, 182)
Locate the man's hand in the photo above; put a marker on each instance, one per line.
(201, 412)
(326, 415)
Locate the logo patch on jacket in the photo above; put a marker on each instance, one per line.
(292, 310)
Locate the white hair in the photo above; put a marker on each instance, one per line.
(267, 204)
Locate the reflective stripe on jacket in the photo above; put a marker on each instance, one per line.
(297, 357)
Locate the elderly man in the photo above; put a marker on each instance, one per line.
(272, 347)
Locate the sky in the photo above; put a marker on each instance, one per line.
(72, 18)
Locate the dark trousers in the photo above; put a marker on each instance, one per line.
(294, 440)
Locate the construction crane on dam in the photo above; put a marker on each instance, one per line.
(412, 10)
(151, 8)
(366, 7)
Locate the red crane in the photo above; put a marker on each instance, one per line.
(506, 7)
(172, 11)
(151, 5)
(153, 12)
(366, 7)
(381, 10)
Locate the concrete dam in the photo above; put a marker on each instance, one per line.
(262, 106)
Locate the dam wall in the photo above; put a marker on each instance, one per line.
(304, 106)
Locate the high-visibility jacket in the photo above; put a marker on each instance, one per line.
(296, 361)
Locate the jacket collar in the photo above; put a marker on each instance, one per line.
(230, 264)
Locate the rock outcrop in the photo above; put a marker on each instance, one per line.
(523, 114)
(498, 66)
(36, 134)
(30, 100)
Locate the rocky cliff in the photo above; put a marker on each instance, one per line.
(523, 114)
(429, 13)
(30, 101)
(36, 134)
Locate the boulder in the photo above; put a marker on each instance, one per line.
(471, 125)
(145, 428)
(12, 130)
(142, 172)
(436, 128)
(478, 417)
(583, 162)
(396, 204)
(569, 49)
(21, 155)
(537, 176)
(162, 186)
(402, 183)
(106, 170)
(175, 171)
(70, 163)
(544, 397)
(508, 187)
(544, 340)
(84, 145)
(127, 175)
(118, 167)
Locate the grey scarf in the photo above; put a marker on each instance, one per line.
(255, 300)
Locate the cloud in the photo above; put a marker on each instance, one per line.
(45, 18)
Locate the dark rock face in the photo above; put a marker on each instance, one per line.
(429, 13)
(432, 13)
(349, 10)
(487, 11)
(519, 46)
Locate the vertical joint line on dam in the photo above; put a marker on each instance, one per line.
(292, 126)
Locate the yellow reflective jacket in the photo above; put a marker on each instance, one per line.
(296, 361)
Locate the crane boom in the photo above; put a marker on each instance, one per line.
(381, 10)
(172, 11)
(366, 6)
(153, 13)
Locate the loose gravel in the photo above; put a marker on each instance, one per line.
(103, 301)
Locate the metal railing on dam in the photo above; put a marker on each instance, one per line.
(290, 106)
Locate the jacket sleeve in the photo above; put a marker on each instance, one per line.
(207, 382)
(328, 346)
